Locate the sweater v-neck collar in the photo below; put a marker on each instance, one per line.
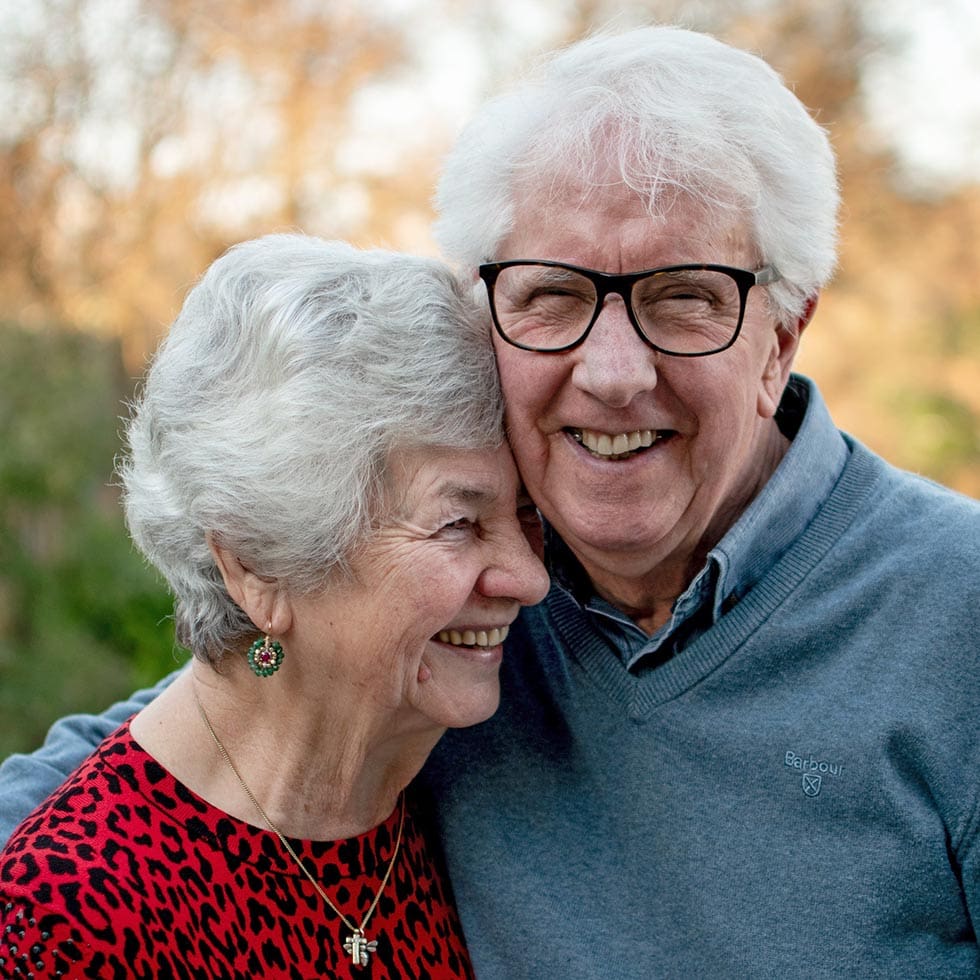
(642, 692)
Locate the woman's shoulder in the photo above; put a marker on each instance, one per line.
(56, 854)
(78, 795)
(104, 871)
(120, 818)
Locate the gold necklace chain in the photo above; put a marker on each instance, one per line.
(357, 946)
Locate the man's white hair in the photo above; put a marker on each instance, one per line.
(672, 112)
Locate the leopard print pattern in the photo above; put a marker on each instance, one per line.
(124, 872)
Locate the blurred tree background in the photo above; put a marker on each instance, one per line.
(139, 138)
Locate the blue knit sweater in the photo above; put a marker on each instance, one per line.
(795, 794)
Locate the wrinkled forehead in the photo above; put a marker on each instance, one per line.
(571, 217)
(608, 176)
(415, 476)
(658, 164)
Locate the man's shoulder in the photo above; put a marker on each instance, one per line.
(907, 538)
(916, 503)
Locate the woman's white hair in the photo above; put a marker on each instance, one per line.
(294, 369)
(674, 112)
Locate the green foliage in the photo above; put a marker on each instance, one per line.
(942, 434)
(83, 619)
(958, 335)
(936, 406)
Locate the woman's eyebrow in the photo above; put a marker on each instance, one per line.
(463, 493)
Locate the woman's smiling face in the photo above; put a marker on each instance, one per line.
(420, 625)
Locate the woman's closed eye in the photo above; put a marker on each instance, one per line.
(458, 525)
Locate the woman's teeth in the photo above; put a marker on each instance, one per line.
(614, 447)
(474, 638)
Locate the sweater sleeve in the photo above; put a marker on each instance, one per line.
(26, 780)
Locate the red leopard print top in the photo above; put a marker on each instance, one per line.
(124, 872)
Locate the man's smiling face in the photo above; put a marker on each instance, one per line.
(634, 456)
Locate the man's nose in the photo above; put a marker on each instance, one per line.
(614, 364)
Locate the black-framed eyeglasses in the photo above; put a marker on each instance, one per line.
(682, 310)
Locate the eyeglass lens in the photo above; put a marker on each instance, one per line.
(687, 311)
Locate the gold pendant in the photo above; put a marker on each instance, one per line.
(358, 948)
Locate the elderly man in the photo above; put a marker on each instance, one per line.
(740, 736)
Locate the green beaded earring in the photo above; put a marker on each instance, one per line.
(265, 656)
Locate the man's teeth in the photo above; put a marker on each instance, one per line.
(603, 444)
(474, 638)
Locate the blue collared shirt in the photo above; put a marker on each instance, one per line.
(777, 516)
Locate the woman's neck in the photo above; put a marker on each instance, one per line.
(323, 764)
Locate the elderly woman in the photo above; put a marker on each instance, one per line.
(317, 466)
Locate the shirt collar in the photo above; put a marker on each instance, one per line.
(789, 500)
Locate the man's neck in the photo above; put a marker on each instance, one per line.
(645, 587)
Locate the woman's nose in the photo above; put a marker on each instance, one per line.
(516, 571)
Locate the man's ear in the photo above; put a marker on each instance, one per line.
(260, 598)
(809, 308)
(785, 344)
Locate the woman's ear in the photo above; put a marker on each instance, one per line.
(260, 598)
